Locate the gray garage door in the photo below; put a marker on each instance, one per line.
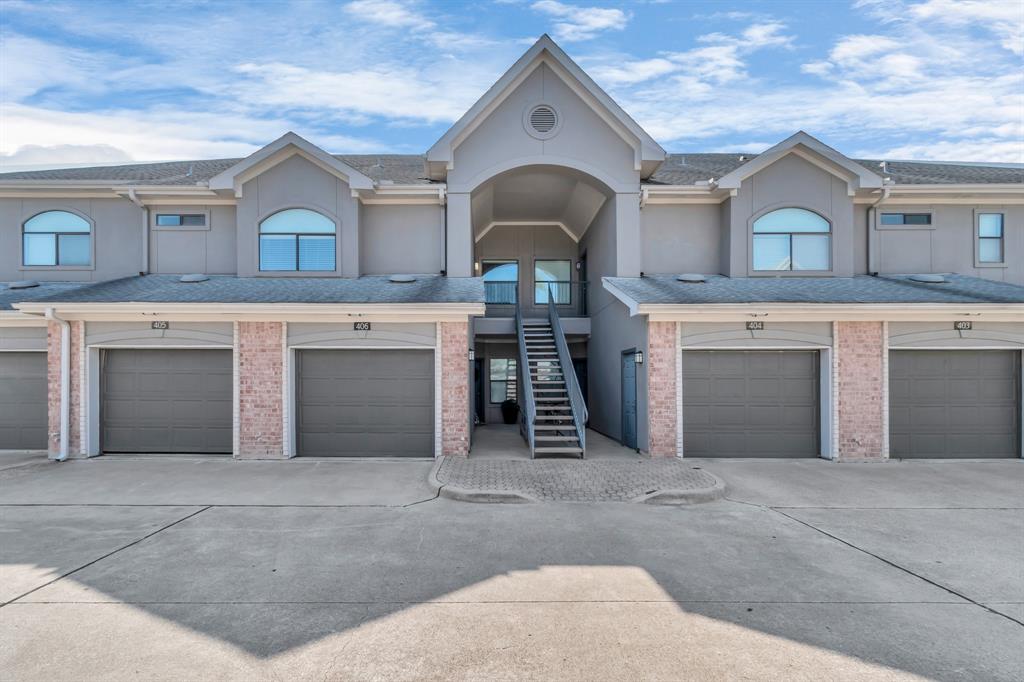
(365, 403)
(173, 401)
(750, 404)
(23, 401)
(954, 403)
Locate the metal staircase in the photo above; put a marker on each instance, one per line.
(555, 416)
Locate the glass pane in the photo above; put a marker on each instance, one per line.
(917, 219)
(316, 253)
(791, 220)
(74, 249)
(990, 250)
(193, 220)
(297, 220)
(892, 218)
(57, 221)
(500, 271)
(771, 252)
(168, 219)
(990, 225)
(499, 367)
(40, 249)
(499, 389)
(277, 252)
(811, 252)
(552, 271)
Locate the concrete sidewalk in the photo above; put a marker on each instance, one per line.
(181, 569)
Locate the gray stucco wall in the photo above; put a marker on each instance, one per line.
(22, 338)
(178, 333)
(948, 244)
(117, 239)
(397, 239)
(680, 238)
(790, 182)
(612, 331)
(298, 183)
(381, 334)
(178, 250)
(942, 335)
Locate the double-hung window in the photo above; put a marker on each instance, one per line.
(57, 238)
(503, 379)
(554, 276)
(297, 240)
(792, 239)
(990, 238)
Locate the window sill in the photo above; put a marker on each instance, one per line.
(180, 228)
(48, 268)
(991, 265)
(790, 273)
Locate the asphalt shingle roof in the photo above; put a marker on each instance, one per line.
(408, 169)
(231, 289)
(45, 289)
(666, 289)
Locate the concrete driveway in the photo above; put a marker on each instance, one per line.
(178, 568)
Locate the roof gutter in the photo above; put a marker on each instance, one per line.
(145, 229)
(65, 382)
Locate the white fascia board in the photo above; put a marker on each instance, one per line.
(546, 50)
(825, 312)
(404, 194)
(626, 299)
(682, 194)
(991, 188)
(232, 178)
(398, 312)
(866, 179)
(13, 318)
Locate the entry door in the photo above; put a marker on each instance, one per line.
(629, 398)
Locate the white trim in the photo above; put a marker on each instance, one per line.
(438, 393)
(885, 390)
(83, 402)
(527, 223)
(272, 312)
(679, 390)
(286, 416)
(236, 418)
(834, 411)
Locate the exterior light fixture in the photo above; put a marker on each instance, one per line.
(638, 357)
(472, 355)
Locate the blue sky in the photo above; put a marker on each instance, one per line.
(115, 81)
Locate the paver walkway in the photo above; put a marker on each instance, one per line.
(572, 480)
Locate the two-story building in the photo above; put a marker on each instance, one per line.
(546, 250)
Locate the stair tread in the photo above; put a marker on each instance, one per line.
(551, 427)
(556, 450)
(555, 439)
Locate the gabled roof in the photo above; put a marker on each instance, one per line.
(546, 51)
(277, 151)
(812, 149)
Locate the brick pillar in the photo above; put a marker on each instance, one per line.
(75, 448)
(662, 410)
(454, 346)
(260, 357)
(860, 389)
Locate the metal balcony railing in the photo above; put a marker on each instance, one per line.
(501, 293)
(570, 297)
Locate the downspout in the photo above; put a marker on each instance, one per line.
(145, 229)
(872, 265)
(443, 198)
(65, 382)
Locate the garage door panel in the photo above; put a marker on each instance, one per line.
(167, 401)
(354, 403)
(750, 403)
(954, 403)
(23, 404)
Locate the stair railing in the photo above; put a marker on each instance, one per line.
(572, 385)
(528, 415)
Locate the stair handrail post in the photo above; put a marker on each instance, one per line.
(576, 401)
(528, 415)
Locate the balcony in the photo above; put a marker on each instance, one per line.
(501, 298)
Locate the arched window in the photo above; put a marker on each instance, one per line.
(297, 239)
(792, 239)
(56, 238)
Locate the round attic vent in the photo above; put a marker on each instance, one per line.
(23, 284)
(401, 279)
(691, 278)
(189, 279)
(542, 121)
(928, 279)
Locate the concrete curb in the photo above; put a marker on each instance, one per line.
(478, 496)
(685, 497)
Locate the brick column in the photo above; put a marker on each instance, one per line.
(259, 353)
(454, 347)
(860, 389)
(662, 395)
(53, 388)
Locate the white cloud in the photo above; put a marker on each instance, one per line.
(574, 23)
(40, 156)
(388, 13)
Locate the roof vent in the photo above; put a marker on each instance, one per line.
(23, 284)
(542, 121)
(188, 279)
(928, 279)
(690, 278)
(401, 279)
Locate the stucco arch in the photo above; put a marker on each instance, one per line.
(609, 183)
